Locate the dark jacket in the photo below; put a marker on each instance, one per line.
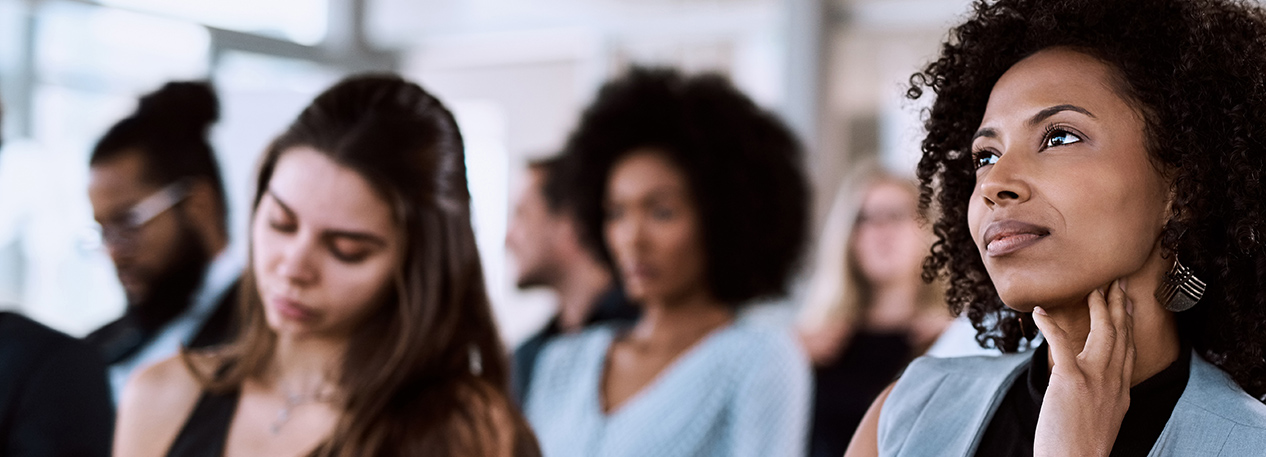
(123, 338)
(54, 397)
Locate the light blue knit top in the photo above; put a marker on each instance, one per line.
(742, 391)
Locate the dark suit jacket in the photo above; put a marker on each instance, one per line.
(123, 338)
(54, 397)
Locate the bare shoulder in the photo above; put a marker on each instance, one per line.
(866, 439)
(154, 406)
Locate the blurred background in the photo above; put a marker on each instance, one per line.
(517, 73)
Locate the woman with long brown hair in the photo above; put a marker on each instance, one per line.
(366, 326)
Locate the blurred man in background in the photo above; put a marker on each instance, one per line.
(157, 193)
(54, 399)
(543, 238)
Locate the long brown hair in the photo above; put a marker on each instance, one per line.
(426, 373)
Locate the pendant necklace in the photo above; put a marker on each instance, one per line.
(294, 400)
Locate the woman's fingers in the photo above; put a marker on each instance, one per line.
(1128, 335)
(1102, 340)
(1056, 339)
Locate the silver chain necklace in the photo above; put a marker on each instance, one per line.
(293, 401)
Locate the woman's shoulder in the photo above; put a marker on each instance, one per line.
(154, 406)
(1212, 390)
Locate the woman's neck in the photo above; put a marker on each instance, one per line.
(306, 366)
(578, 290)
(675, 324)
(1156, 342)
(892, 306)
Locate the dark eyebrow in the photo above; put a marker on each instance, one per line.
(984, 133)
(1046, 113)
(355, 236)
(1036, 119)
(282, 204)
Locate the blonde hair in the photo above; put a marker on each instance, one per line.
(838, 291)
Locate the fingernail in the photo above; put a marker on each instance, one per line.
(1039, 310)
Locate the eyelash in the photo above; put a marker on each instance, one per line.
(284, 227)
(979, 155)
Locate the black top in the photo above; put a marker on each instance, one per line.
(844, 390)
(1011, 431)
(207, 427)
(124, 337)
(54, 397)
(611, 306)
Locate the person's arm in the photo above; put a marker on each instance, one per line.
(771, 410)
(154, 407)
(64, 407)
(865, 441)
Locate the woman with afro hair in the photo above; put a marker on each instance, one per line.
(696, 198)
(1093, 170)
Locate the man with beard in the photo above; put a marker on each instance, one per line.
(157, 194)
(543, 237)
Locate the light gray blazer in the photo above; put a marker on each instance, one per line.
(940, 407)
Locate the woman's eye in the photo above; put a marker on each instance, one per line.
(662, 214)
(1060, 137)
(348, 255)
(612, 213)
(282, 226)
(982, 158)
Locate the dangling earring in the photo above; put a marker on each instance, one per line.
(1181, 289)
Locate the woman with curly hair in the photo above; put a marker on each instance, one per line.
(1095, 169)
(696, 198)
(365, 326)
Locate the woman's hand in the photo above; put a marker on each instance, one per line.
(1089, 390)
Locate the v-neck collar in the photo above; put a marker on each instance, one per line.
(670, 371)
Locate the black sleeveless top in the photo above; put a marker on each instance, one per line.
(207, 428)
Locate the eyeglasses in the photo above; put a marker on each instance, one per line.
(123, 230)
(884, 217)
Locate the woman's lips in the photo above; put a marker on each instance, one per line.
(292, 310)
(1006, 237)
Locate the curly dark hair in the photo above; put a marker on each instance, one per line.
(743, 168)
(1196, 70)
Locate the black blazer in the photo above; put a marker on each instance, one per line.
(122, 338)
(54, 397)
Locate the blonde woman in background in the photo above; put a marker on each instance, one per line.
(868, 312)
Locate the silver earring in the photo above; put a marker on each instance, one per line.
(1181, 289)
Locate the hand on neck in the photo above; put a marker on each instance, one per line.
(1155, 328)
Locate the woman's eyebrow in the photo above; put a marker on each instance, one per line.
(1036, 119)
(1048, 112)
(364, 237)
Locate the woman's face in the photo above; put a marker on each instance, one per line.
(888, 245)
(324, 246)
(652, 228)
(1066, 198)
